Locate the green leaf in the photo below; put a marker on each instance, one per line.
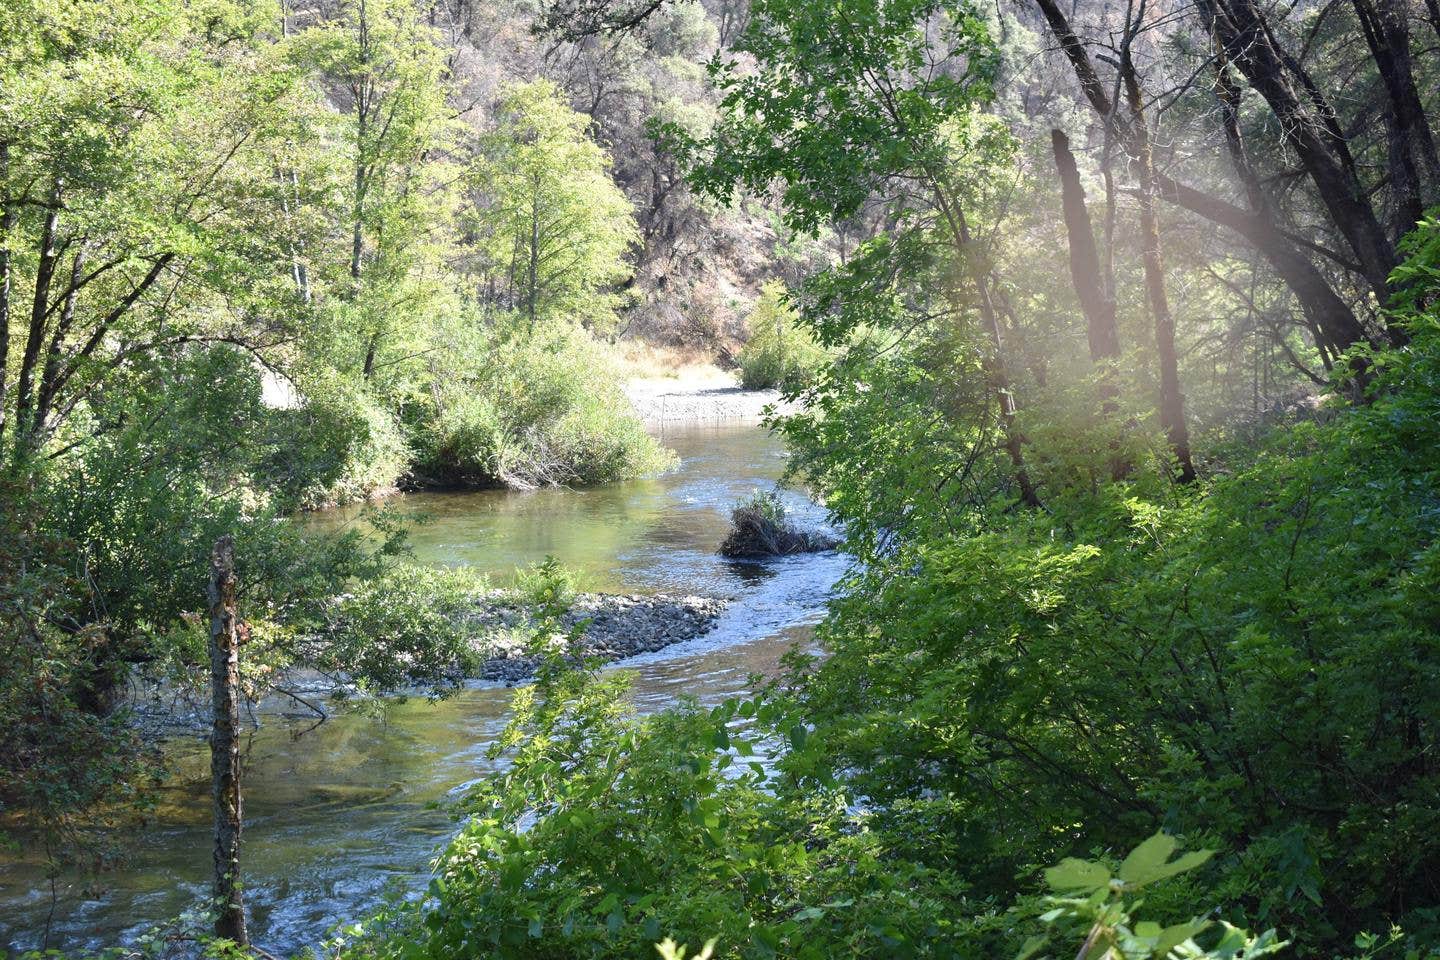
(1150, 861)
(1145, 858)
(1172, 937)
(1072, 875)
(1031, 947)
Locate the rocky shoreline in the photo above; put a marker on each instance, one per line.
(620, 626)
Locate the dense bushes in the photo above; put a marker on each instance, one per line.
(529, 410)
(779, 352)
(1250, 663)
(411, 625)
(338, 446)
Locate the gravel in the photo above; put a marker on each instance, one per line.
(620, 626)
(662, 401)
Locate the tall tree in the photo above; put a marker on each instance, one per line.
(552, 227)
(1096, 291)
(1172, 401)
(1310, 127)
(385, 69)
(131, 135)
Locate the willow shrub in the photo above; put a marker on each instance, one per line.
(533, 409)
(780, 352)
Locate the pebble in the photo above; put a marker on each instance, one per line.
(619, 626)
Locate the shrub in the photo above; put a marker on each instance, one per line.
(413, 625)
(534, 411)
(339, 446)
(779, 353)
(759, 527)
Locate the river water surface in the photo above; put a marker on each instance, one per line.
(342, 815)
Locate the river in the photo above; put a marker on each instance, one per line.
(341, 816)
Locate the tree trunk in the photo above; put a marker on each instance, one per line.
(1091, 289)
(995, 366)
(1172, 403)
(1324, 309)
(1310, 287)
(1432, 13)
(7, 223)
(1243, 32)
(1414, 166)
(35, 336)
(225, 742)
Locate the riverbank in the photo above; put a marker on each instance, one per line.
(617, 626)
(502, 626)
(700, 396)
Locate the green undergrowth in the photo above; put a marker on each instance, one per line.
(526, 411)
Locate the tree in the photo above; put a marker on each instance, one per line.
(130, 140)
(849, 105)
(386, 71)
(552, 227)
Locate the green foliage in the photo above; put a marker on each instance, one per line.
(338, 446)
(65, 763)
(1251, 663)
(779, 352)
(553, 227)
(413, 625)
(840, 102)
(608, 830)
(525, 409)
(1096, 905)
(546, 584)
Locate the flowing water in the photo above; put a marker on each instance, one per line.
(341, 815)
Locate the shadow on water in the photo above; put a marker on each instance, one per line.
(341, 815)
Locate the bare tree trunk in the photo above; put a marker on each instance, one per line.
(363, 94)
(225, 742)
(534, 265)
(1172, 402)
(7, 223)
(1414, 166)
(1321, 305)
(1244, 33)
(1091, 289)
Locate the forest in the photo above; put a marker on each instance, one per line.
(997, 441)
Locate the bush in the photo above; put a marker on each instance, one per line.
(534, 411)
(779, 353)
(760, 528)
(339, 446)
(1253, 662)
(413, 625)
(609, 831)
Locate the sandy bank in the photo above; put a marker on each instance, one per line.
(700, 397)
